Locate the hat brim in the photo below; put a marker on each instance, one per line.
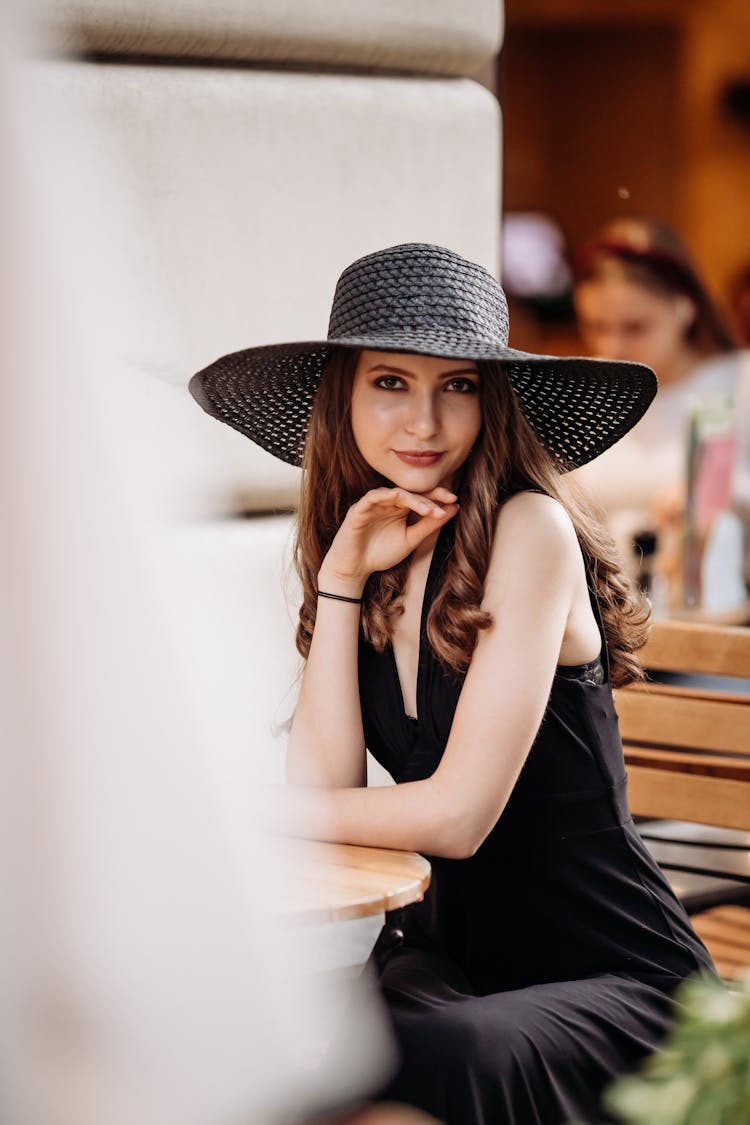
(578, 406)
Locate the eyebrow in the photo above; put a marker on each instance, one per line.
(410, 374)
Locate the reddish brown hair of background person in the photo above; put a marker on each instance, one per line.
(651, 255)
(507, 457)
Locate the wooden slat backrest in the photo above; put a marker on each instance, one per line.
(659, 793)
(687, 749)
(711, 650)
(678, 717)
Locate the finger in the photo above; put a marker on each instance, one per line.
(398, 498)
(384, 494)
(443, 495)
(434, 501)
(377, 497)
(416, 532)
(421, 505)
(373, 497)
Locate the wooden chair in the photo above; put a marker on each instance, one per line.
(687, 751)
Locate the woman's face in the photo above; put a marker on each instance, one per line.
(619, 319)
(415, 418)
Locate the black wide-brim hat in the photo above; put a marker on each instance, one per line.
(425, 299)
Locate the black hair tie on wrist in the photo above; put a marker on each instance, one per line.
(338, 597)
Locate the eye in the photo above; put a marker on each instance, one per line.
(462, 386)
(389, 382)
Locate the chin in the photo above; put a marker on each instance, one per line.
(418, 481)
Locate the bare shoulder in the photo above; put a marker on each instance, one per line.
(535, 521)
(535, 553)
(536, 566)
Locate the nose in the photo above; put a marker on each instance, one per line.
(423, 421)
(608, 345)
(619, 348)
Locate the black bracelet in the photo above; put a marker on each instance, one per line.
(338, 597)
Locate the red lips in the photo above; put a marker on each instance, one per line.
(418, 457)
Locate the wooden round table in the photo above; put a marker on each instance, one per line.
(335, 882)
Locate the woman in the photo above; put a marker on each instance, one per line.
(464, 619)
(639, 297)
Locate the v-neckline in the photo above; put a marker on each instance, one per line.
(421, 654)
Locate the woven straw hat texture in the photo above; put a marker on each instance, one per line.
(425, 299)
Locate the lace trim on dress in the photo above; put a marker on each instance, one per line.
(591, 673)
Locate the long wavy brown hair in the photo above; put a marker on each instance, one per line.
(507, 457)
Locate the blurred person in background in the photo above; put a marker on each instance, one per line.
(638, 296)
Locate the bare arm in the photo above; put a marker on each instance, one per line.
(326, 743)
(535, 565)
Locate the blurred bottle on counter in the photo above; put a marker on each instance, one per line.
(644, 548)
(717, 504)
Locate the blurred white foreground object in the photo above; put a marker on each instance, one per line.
(143, 976)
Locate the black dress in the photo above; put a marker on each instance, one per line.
(541, 967)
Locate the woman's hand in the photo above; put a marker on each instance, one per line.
(380, 530)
